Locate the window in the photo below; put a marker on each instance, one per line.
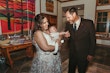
(103, 21)
(103, 2)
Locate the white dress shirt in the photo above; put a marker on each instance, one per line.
(77, 23)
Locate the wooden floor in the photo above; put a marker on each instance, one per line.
(93, 68)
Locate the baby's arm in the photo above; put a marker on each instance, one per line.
(61, 33)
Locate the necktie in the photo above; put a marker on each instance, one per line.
(74, 27)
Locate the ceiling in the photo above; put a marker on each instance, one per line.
(78, 7)
(65, 0)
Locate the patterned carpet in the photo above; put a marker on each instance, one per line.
(93, 68)
(23, 65)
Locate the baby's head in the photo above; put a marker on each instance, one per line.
(52, 29)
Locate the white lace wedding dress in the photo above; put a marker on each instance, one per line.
(46, 62)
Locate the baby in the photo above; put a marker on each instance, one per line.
(55, 35)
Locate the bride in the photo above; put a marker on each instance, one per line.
(44, 61)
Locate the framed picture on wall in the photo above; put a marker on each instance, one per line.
(48, 7)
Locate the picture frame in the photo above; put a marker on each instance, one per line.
(48, 7)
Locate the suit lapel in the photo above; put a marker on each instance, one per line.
(81, 26)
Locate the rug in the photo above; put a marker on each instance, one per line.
(93, 68)
(19, 64)
(23, 65)
(26, 67)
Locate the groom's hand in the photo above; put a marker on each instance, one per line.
(67, 34)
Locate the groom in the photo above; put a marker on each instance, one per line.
(82, 41)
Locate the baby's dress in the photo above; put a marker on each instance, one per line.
(54, 35)
(46, 62)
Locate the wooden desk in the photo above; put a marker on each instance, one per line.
(7, 49)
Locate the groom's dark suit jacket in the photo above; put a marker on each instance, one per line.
(83, 41)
